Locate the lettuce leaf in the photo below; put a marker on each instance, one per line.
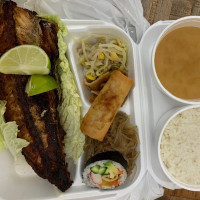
(2, 121)
(70, 104)
(8, 134)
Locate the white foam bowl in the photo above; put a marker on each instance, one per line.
(182, 22)
(162, 124)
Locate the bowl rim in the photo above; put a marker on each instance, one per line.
(174, 180)
(163, 89)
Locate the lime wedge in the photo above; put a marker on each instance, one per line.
(38, 84)
(25, 59)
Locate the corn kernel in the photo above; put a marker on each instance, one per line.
(101, 56)
(113, 55)
(82, 62)
(90, 77)
(119, 42)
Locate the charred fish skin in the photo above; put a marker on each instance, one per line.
(36, 116)
(45, 153)
(31, 29)
(49, 38)
(27, 26)
(7, 26)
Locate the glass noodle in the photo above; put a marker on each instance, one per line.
(121, 137)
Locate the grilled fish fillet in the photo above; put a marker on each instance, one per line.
(36, 116)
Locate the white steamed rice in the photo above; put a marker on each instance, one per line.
(180, 147)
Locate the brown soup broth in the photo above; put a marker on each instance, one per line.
(177, 62)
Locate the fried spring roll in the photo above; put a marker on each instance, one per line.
(99, 117)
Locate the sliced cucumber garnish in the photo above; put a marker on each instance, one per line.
(108, 163)
(102, 170)
(95, 169)
(98, 169)
(106, 172)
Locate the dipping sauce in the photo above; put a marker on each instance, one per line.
(177, 62)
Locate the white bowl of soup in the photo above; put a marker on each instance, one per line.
(176, 60)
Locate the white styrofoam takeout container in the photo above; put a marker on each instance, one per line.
(182, 22)
(145, 105)
(163, 122)
(21, 179)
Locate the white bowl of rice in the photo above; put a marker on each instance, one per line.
(179, 146)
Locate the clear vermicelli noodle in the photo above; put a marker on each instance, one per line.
(121, 137)
(99, 54)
